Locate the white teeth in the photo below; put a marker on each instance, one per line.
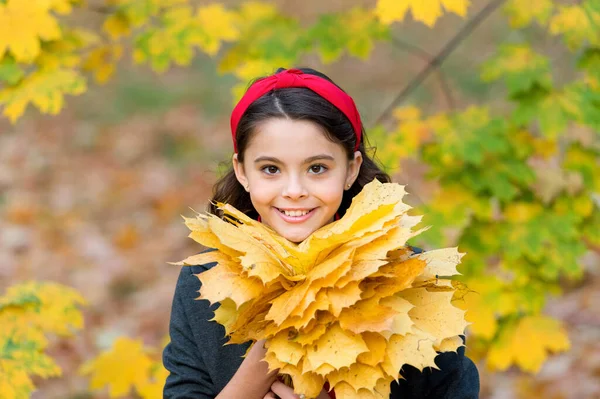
(295, 213)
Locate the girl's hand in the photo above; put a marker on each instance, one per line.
(282, 391)
(252, 379)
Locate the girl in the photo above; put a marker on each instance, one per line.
(299, 160)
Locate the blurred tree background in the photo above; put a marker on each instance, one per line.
(116, 119)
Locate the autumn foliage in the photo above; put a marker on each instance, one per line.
(515, 181)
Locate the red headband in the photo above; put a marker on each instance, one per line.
(296, 78)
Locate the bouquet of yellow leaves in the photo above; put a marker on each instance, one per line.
(349, 305)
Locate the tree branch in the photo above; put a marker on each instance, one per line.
(101, 9)
(424, 55)
(441, 57)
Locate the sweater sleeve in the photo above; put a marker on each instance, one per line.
(188, 377)
(457, 378)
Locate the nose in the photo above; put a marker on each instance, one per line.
(294, 189)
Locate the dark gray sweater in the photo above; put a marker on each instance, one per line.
(200, 365)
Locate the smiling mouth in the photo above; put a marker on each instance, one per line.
(295, 213)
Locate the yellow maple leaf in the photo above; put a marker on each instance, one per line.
(426, 11)
(484, 302)
(14, 381)
(63, 6)
(125, 366)
(153, 388)
(57, 308)
(577, 23)
(350, 304)
(23, 24)
(116, 26)
(43, 88)
(527, 343)
(27, 312)
(218, 25)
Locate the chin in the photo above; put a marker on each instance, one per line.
(296, 237)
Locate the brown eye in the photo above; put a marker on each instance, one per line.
(318, 169)
(270, 169)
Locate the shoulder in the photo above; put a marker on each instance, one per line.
(188, 283)
(187, 274)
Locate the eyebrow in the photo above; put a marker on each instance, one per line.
(307, 160)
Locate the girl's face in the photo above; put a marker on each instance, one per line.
(295, 175)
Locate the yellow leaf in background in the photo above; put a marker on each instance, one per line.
(522, 13)
(516, 58)
(14, 382)
(544, 147)
(117, 25)
(27, 312)
(63, 6)
(482, 304)
(527, 343)
(124, 366)
(583, 206)
(23, 23)
(43, 88)
(218, 25)
(153, 389)
(252, 11)
(407, 113)
(426, 11)
(359, 20)
(252, 68)
(60, 311)
(57, 308)
(521, 212)
(576, 24)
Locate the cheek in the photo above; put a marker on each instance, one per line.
(330, 194)
(262, 194)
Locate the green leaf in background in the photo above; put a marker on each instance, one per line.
(354, 31)
(521, 68)
(586, 161)
(10, 72)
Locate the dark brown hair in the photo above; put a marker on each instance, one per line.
(296, 104)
